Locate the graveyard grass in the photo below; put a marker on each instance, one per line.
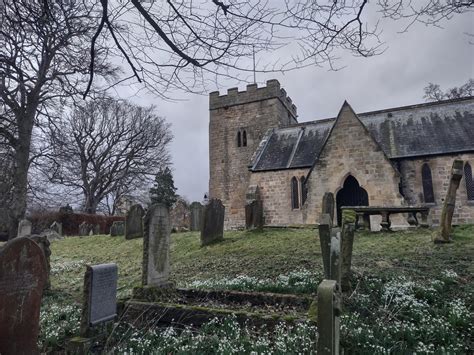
(421, 291)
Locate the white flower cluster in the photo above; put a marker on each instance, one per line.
(59, 266)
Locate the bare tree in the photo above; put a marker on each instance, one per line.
(107, 149)
(433, 92)
(44, 59)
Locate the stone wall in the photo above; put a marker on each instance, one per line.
(350, 150)
(275, 191)
(440, 172)
(255, 110)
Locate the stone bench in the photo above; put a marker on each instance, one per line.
(364, 212)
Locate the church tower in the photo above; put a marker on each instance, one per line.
(238, 122)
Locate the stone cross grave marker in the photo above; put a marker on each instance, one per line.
(328, 205)
(213, 222)
(329, 309)
(100, 296)
(156, 247)
(117, 228)
(195, 216)
(22, 280)
(445, 227)
(24, 228)
(134, 222)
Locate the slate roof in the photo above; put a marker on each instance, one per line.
(410, 131)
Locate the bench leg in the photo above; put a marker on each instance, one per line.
(385, 222)
(424, 220)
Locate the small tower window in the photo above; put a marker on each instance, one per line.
(295, 201)
(304, 190)
(244, 138)
(469, 182)
(239, 139)
(427, 183)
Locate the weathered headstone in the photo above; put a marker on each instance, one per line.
(195, 216)
(347, 242)
(329, 309)
(445, 228)
(212, 230)
(335, 256)
(117, 228)
(44, 243)
(96, 229)
(156, 247)
(24, 228)
(57, 227)
(51, 235)
(325, 225)
(254, 215)
(22, 280)
(134, 222)
(328, 205)
(100, 296)
(84, 228)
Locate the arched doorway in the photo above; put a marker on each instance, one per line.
(351, 194)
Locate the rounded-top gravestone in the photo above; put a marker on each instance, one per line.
(212, 230)
(22, 279)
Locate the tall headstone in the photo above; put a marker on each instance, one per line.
(134, 222)
(329, 309)
(445, 227)
(22, 280)
(195, 216)
(156, 247)
(253, 208)
(335, 256)
(212, 230)
(325, 225)
(24, 228)
(117, 228)
(328, 204)
(347, 242)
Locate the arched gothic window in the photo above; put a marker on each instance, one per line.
(244, 138)
(295, 201)
(239, 139)
(427, 183)
(469, 181)
(304, 190)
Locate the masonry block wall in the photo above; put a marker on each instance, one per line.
(350, 150)
(254, 111)
(275, 189)
(440, 171)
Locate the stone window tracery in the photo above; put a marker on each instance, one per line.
(427, 182)
(469, 182)
(295, 201)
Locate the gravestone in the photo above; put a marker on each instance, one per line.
(117, 228)
(156, 247)
(100, 296)
(445, 227)
(57, 227)
(134, 222)
(44, 243)
(328, 205)
(347, 242)
(325, 225)
(22, 280)
(96, 229)
(195, 216)
(212, 230)
(84, 229)
(24, 228)
(254, 215)
(329, 310)
(335, 256)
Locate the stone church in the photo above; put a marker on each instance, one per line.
(391, 157)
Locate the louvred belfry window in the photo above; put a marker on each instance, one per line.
(295, 202)
(469, 182)
(427, 182)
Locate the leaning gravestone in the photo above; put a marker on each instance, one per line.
(212, 230)
(22, 280)
(134, 222)
(328, 205)
(24, 228)
(156, 247)
(117, 228)
(195, 216)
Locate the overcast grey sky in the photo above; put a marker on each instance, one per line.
(394, 78)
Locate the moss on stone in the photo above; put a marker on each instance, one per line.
(313, 311)
(348, 216)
